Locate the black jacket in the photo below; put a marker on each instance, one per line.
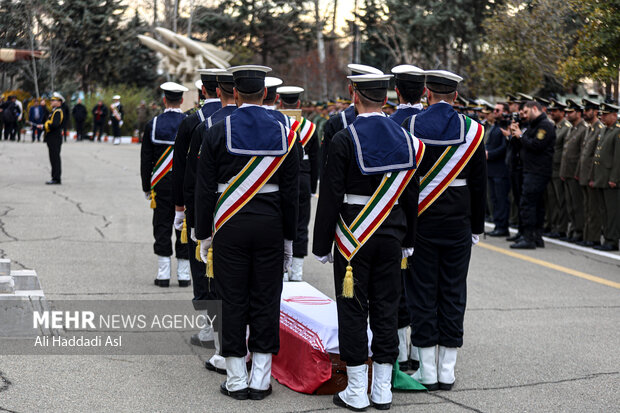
(343, 176)
(537, 146)
(79, 113)
(217, 165)
(496, 148)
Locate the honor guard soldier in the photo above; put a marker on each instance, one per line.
(368, 200)
(308, 177)
(156, 158)
(116, 118)
(606, 175)
(409, 88)
(207, 85)
(246, 216)
(451, 209)
(53, 137)
(272, 84)
(556, 198)
(593, 219)
(568, 169)
(409, 82)
(206, 293)
(344, 118)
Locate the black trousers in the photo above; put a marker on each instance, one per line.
(53, 146)
(79, 130)
(378, 283)
(116, 128)
(163, 222)
(204, 289)
(516, 187)
(10, 130)
(300, 244)
(437, 287)
(248, 255)
(532, 206)
(404, 318)
(97, 130)
(499, 187)
(36, 134)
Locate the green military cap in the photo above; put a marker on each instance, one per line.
(542, 101)
(589, 104)
(555, 104)
(524, 97)
(609, 108)
(571, 105)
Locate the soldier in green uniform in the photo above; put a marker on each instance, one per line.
(593, 221)
(568, 169)
(556, 198)
(606, 175)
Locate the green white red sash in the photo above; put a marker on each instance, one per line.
(162, 167)
(247, 183)
(350, 238)
(449, 166)
(305, 128)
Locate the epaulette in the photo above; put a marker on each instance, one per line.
(567, 123)
(600, 125)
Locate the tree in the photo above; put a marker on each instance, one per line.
(136, 64)
(596, 53)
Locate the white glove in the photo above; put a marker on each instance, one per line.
(120, 123)
(288, 254)
(325, 259)
(147, 195)
(192, 234)
(407, 252)
(109, 122)
(205, 244)
(475, 238)
(179, 216)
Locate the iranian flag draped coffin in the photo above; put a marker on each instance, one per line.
(308, 338)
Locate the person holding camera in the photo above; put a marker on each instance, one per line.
(536, 155)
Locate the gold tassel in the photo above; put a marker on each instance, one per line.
(198, 258)
(403, 264)
(153, 203)
(210, 263)
(184, 233)
(347, 283)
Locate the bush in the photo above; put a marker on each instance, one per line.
(130, 99)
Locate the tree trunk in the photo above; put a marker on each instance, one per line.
(35, 77)
(175, 15)
(154, 13)
(320, 44)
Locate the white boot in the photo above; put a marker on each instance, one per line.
(381, 393)
(356, 393)
(427, 373)
(117, 141)
(183, 274)
(297, 269)
(403, 356)
(216, 363)
(163, 271)
(260, 376)
(445, 365)
(236, 374)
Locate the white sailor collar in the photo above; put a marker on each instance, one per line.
(369, 114)
(173, 110)
(409, 105)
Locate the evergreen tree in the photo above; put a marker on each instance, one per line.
(137, 64)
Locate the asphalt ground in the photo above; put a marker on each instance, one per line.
(541, 329)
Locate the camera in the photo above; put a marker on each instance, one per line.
(515, 117)
(505, 121)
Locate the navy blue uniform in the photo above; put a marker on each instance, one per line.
(497, 171)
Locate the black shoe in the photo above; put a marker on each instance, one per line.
(585, 243)
(52, 182)
(606, 247)
(259, 394)
(575, 240)
(552, 234)
(162, 283)
(209, 366)
(540, 243)
(404, 366)
(431, 387)
(564, 238)
(414, 364)
(198, 342)
(524, 245)
(237, 395)
(498, 233)
(445, 386)
(515, 237)
(341, 403)
(185, 283)
(381, 406)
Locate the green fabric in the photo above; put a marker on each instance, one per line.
(403, 381)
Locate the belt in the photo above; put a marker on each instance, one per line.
(352, 199)
(265, 189)
(459, 182)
